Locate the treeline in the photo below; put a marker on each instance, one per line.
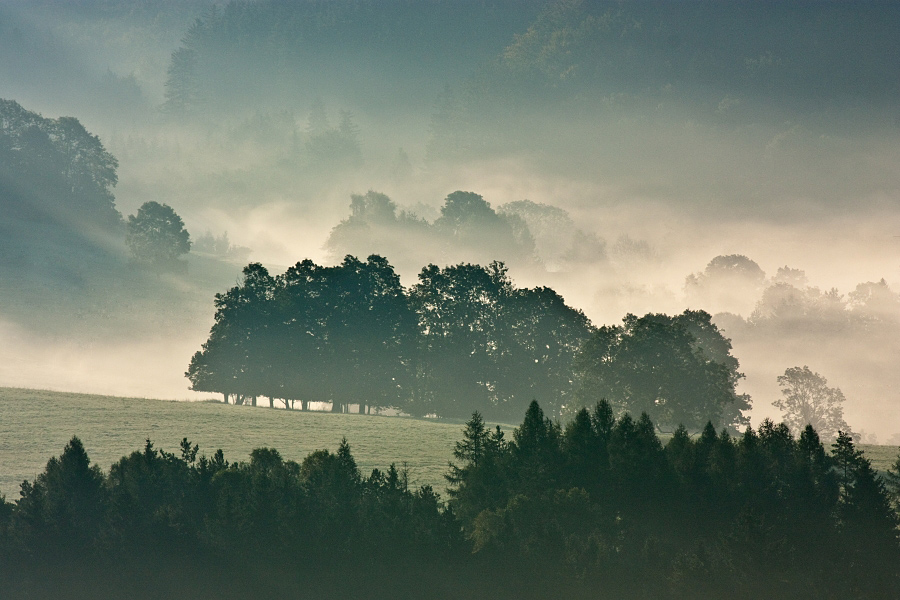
(249, 53)
(524, 234)
(463, 339)
(599, 508)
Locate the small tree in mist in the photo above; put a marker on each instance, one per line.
(156, 235)
(809, 401)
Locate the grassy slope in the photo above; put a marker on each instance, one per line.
(35, 425)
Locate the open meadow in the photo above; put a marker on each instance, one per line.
(36, 425)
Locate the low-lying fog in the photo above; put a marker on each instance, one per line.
(653, 182)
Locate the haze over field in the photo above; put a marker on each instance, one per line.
(649, 138)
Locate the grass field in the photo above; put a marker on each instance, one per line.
(35, 425)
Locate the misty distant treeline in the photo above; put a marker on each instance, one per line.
(247, 53)
(463, 339)
(600, 508)
(502, 62)
(523, 234)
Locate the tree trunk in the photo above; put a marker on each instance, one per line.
(225, 397)
(304, 405)
(271, 402)
(362, 408)
(253, 401)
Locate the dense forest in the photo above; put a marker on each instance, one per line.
(600, 508)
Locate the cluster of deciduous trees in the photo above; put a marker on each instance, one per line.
(54, 170)
(600, 508)
(463, 338)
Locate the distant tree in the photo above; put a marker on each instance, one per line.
(794, 277)
(809, 401)
(459, 316)
(182, 86)
(728, 283)
(540, 336)
(156, 235)
(473, 231)
(333, 147)
(553, 231)
(237, 358)
(875, 301)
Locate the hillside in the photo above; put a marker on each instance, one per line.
(35, 425)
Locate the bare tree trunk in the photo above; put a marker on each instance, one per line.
(225, 397)
(362, 408)
(271, 402)
(253, 401)
(304, 405)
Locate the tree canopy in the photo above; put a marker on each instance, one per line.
(156, 235)
(679, 370)
(598, 507)
(55, 170)
(464, 338)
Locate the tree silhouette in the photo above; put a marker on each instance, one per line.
(809, 401)
(156, 235)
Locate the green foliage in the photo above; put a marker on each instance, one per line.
(679, 370)
(754, 516)
(461, 340)
(760, 514)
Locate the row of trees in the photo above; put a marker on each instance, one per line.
(764, 514)
(463, 338)
(599, 508)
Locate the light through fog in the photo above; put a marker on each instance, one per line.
(687, 170)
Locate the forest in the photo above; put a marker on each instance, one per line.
(599, 508)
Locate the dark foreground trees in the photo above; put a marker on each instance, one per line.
(600, 508)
